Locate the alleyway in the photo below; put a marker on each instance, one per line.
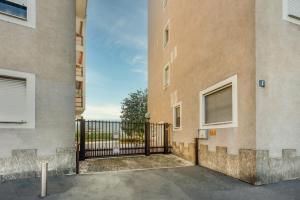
(178, 183)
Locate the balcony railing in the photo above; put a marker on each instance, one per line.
(79, 57)
(79, 101)
(79, 71)
(79, 40)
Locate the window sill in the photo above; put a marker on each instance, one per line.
(177, 129)
(13, 122)
(219, 125)
(292, 20)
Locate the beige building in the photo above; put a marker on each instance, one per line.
(228, 72)
(81, 7)
(37, 86)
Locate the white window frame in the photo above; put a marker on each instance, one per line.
(30, 99)
(179, 104)
(285, 13)
(31, 16)
(165, 44)
(229, 124)
(166, 83)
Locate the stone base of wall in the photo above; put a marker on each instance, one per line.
(26, 163)
(186, 152)
(272, 170)
(252, 166)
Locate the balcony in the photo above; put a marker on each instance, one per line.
(79, 40)
(79, 99)
(79, 72)
(79, 96)
(79, 102)
(79, 58)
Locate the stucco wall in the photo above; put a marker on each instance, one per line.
(48, 51)
(214, 41)
(278, 62)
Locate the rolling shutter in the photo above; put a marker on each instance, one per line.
(218, 106)
(12, 100)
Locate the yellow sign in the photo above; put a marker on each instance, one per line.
(213, 132)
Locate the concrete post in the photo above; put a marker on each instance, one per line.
(44, 180)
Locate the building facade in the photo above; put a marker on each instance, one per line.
(80, 56)
(228, 72)
(37, 91)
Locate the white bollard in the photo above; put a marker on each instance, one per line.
(44, 180)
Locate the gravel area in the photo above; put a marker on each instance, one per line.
(132, 163)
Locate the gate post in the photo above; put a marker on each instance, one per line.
(196, 151)
(166, 138)
(147, 138)
(82, 140)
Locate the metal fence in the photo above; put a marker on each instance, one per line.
(107, 138)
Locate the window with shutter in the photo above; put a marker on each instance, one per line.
(21, 12)
(166, 35)
(17, 99)
(291, 11)
(165, 2)
(14, 8)
(13, 100)
(166, 76)
(177, 116)
(218, 105)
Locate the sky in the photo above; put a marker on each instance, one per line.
(116, 55)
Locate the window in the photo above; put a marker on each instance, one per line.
(291, 11)
(166, 78)
(165, 2)
(218, 105)
(166, 35)
(177, 116)
(18, 11)
(17, 95)
(14, 9)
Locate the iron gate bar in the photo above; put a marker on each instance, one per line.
(111, 138)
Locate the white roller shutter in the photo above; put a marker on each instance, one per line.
(12, 100)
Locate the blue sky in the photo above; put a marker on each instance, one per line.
(116, 54)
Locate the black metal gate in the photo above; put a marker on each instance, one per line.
(107, 138)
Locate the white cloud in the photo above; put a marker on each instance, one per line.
(137, 41)
(139, 65)
(105, 112)
(138, 59)
(139, 71)
(120, 35)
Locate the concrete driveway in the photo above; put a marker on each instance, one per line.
(177, 183)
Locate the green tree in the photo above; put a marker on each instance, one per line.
(133, 110)
(134, 107)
